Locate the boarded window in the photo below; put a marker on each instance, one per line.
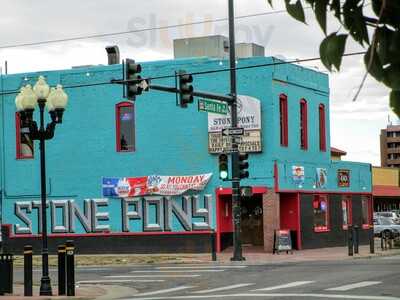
(125, 127)
(24, 144)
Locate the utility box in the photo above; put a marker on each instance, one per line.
(215, 46)
(244, 50)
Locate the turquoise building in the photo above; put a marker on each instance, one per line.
(143, 176)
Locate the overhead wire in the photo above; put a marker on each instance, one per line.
(205, 72)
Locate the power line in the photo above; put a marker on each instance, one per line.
(100, 35)
(10, 92)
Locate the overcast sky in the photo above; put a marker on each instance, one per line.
(355, 126)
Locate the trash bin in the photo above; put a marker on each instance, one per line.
(6, 274)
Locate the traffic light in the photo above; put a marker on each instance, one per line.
(185, 88)
(133, 86)
(223, 166)
(243, 165)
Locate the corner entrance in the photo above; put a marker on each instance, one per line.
(252, 221)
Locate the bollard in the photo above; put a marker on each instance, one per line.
(28, 270)
(356, 238)
(371, 240)
(70, 268)
(382, 246)
(350, 239)
(61, 270)
(213, 248)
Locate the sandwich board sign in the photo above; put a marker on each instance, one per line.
(282, 241)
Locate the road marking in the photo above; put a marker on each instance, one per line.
(175, 271)
(224, 288)
(285, 286)
(348, 287)
(118, 281)
(203, 267)
(276, 295)
(175, 289)
(157, 276)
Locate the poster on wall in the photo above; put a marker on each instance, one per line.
(343, 178)
(153, 185)
(298, 174)
(321, 178)
(249, 118)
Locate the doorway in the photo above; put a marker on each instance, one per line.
(252, 221)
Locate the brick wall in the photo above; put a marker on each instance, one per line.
(270, 218)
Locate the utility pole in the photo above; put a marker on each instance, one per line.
(237, 243)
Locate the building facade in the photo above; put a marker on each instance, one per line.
(142, 177)
(390, 146)
(386, 188)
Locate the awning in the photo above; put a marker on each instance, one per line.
(386, 191)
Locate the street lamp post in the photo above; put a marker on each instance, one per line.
(55, 100)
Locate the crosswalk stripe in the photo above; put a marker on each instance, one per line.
(284, 286)
(179, 288)
(176, 271)
(224, 288)
(118, 281)
(348, 287)
(201, 267)
(155, 276)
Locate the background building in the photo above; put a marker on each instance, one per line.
(390, 146)
(386, 189)
(117, 170)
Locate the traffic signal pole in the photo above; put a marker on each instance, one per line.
(237, 243)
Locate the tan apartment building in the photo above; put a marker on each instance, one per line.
(390, 146)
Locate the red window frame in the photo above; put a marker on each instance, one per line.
(322, 130)
(118, 107)
(283, 117)
(303, 125)
(348, 202)
(369, 212)
(316, 203)
(19, 154)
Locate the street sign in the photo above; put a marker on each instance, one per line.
(213, 106)
(144, 84)
(233, 131)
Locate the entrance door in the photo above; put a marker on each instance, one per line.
(252, 220)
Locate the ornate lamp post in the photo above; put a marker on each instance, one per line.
(55, 100)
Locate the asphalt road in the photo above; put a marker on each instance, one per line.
(369, 279)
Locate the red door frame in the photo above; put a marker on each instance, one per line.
(228, 191)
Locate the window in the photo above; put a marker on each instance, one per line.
(321, 213)
(303, 125)
(322, 133)
(366, 211)
(125, 126)
(24, 144)
(283, 113)
(347, 212)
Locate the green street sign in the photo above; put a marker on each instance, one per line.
(213, 106)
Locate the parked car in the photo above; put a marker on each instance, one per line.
(388, 214)
(386, 227)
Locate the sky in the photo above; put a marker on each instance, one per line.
(355, 125)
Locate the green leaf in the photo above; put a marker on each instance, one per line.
(332, 49)
(320, 13)
(296, 10)
(323, 53)
(383, 40)
(391, 13)
(375, 69)
(355, 22)
(392, 77)
(395, 102)
(335, 6)
(270, 3)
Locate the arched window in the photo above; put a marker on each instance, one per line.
(283, 115)
(303, 125)
(125, 127)
(24, 144)
(322, 133)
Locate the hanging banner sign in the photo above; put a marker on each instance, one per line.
(153, 185)
(344, 178)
